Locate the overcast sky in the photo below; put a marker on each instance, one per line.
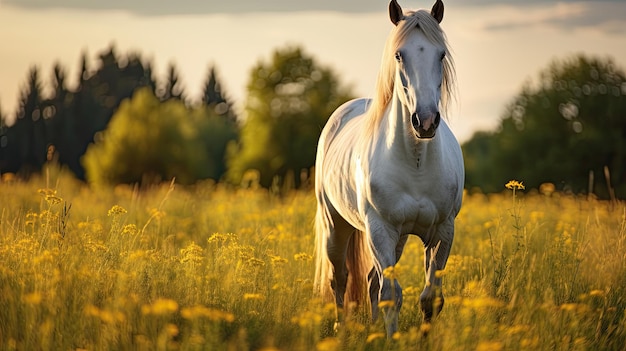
(169, 7)
(497, 45)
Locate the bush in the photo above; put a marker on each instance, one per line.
(149, 141)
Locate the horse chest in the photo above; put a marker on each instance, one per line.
(411, 208)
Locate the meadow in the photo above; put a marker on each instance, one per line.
(210, 267)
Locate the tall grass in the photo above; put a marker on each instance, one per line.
(212, 268)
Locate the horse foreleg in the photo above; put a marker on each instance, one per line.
(388, 297)
(436, 252)
(374, 282)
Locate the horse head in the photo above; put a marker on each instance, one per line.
(420, 66)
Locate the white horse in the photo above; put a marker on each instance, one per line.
(388, 167)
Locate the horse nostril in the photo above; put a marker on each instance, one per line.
(415, 120)
(437, 118)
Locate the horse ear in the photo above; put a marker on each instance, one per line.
(395, 12)
(437, 11)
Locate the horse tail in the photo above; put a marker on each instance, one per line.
(360, 256)
(360, 260)
(323, 266)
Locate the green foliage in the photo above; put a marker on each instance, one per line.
(289, 100)
(148, 140)
(570, 123)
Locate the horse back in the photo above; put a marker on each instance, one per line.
(342, 115)
(334, 173)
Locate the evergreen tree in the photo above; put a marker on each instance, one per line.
(83, 73)
(4, 142)
(213, 97)
(80, 111)
(28, 134)
(173, 88)
(100, 94)
(148, 77)
(56, 117)
(67, 122)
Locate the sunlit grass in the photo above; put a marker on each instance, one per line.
(214, 268)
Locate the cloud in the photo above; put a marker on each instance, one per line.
(606, 16)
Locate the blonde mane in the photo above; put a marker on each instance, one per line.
(384, 87)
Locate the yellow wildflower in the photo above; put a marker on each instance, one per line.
(278, 259)
(489, 346)
(301, 256)
(192, 253)
(208, 313)
(328, 344)
(386, 303)
(596, 293)
(514, 185)
(250, 296)
(374, 336)
(171, 330)
(160, 307)
(32, 298)
(53, 199)
(574, 307)
(46, 192)
(307, 319)
(130, 229)
(390, 273)
(116, 210)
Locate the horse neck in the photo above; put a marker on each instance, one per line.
(400, 137)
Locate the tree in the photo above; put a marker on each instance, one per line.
(4, 142)
(65, 123)
(289, 100)
(570, 123)
(28, 139)
(173, 88)
(148, 141)
(213, 97)
(98, 97)
(56, 117)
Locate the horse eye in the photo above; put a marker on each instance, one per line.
(443, 55)
(398, 56)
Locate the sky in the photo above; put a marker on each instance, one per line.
(497, 45)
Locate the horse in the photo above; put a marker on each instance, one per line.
(389, 167)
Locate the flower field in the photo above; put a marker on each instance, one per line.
(209, 267)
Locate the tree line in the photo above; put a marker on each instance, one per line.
(565, 129)
(118, 125)
(61, 126)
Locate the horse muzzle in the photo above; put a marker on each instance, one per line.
(425, 125)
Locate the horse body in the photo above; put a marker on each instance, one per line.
(406, 187)
(383, 173)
